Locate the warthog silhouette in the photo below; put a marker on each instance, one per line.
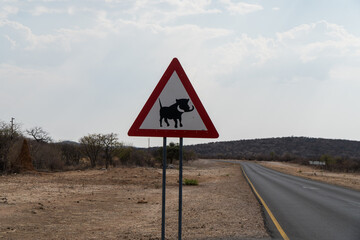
(174, 111)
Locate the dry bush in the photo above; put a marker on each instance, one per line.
(46, 156)
(71, 153)
(140, 158)
(14, 152)
(123, 155)
(129, 156)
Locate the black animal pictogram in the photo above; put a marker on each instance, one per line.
(174, 111)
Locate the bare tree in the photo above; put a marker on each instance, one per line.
(70, 152)
(110, 144)
(39, 134)
(92, 146)
(46, 156)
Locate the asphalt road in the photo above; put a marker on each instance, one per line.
(306, 209)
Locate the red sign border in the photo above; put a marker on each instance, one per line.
(211, 131)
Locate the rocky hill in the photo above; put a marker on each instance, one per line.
(285, 148)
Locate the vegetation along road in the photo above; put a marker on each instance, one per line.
(305, 209)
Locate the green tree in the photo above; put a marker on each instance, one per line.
(172, 152)
(329, 161)
(124, 154)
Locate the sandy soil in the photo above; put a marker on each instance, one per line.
(125, 203)
(349, 180)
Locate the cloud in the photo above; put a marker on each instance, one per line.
(320, 40)
(40, 10)
(26, 76)
(306, 43)
(47, 1)
(346, 74)
(23, 35)
(28, 87)
(7, 10)
(108, 60)
(160, 12)
(292, 52)
(11, 41)
(241, 8)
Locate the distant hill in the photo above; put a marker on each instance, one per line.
(69, 142)
(278, 148)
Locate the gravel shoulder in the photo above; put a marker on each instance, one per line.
(125, 203)
(348, 180)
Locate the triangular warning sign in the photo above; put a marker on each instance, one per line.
(173, 109)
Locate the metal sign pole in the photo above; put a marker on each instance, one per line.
(180, 184)
(173, 84)
(163, 191)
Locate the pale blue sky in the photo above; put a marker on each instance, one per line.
(262, 68)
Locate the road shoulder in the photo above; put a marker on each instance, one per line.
(348, 180)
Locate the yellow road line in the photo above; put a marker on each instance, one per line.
(279, 228)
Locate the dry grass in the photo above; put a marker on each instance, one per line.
(125, 203)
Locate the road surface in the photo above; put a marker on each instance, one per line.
(306, 209)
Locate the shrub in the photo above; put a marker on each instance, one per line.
(140, 158)
(192, 182)
(46, 156)
(70, 153)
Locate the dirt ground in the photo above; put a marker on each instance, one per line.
(349, 180)
(125, 203)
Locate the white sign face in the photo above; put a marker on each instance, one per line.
(173, 109)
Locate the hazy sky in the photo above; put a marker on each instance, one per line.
(262, 68)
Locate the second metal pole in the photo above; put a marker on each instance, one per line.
(163, 191)
(180, 185)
